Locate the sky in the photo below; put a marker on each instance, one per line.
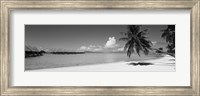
(85, 37)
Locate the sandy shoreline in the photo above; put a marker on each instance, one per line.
(164, 64)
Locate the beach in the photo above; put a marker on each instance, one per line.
(163, 64)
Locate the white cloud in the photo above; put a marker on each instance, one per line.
(120, 49)
(111, 43)
(90, 48)
(83, 48)
(98, 49)
(154, 42)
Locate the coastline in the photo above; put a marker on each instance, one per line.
(163, 64)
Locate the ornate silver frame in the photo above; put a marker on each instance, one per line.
(7, 5)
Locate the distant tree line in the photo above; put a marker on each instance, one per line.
(67, 52)
(31, 51)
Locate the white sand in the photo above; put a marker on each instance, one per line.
(164, 64)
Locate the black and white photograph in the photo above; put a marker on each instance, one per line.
(100, 48)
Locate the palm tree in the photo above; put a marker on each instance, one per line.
(169, 35)
(136, 40)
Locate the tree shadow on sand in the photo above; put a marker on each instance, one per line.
(140, 63)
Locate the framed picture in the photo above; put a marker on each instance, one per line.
(100, 47)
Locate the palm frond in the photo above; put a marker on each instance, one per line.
(142, 33)
(130, 50)
(127, 45)
(136, 40)
(137, 48)
(146, 51)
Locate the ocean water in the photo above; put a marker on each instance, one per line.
(69, 60)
